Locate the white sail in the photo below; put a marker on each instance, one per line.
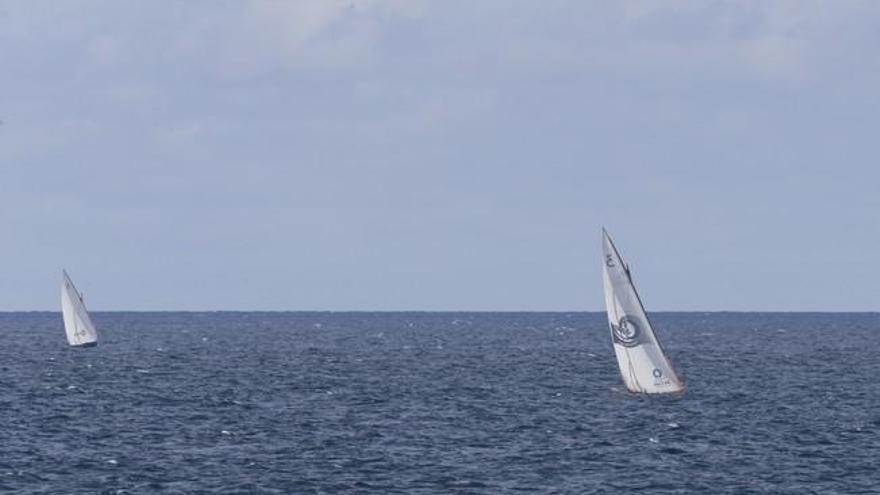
(77, 323)
(643, 365)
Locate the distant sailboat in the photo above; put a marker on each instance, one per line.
(643, 365)
(77, 323)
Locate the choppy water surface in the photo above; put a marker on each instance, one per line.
(436, 403)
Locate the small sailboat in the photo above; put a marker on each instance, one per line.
(643, 365)
(77, 324)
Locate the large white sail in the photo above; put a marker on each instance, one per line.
(643, 365)
(77, 323)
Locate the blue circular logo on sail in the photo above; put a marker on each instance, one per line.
(626, 332)
(657, 373)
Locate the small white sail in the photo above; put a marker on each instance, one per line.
(77, 323)
(643, 365)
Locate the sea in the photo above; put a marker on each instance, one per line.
(436, 403)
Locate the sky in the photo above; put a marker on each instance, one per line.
(439, 155)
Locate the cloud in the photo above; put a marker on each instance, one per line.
(776, 58)
(310, 35)
(782, 42)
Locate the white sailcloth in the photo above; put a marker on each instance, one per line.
(77, 324)
(643, 365)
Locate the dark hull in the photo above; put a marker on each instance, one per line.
(89, 344)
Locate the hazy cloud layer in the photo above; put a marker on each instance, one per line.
(391, 154)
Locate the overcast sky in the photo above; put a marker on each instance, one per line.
(439, 155)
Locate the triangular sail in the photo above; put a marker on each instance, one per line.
(643, 365)
(77, 324)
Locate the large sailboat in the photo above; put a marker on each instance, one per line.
(643, 365)
(77, 324)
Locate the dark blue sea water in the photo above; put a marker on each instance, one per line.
(436, 403)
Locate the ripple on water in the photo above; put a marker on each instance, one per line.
(436, 403)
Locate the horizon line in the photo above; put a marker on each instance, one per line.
(478, 311)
